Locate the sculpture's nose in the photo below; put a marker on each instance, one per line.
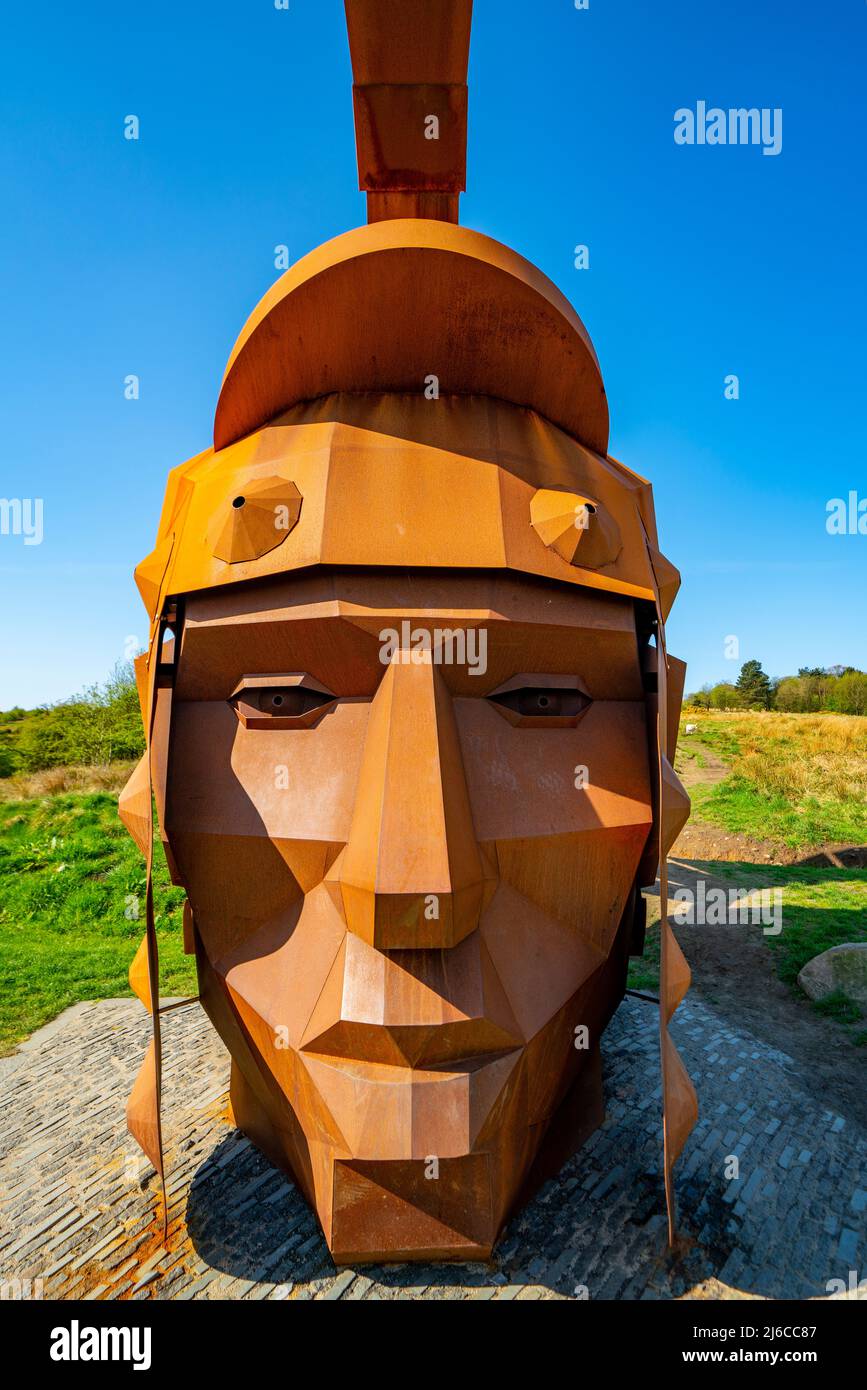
(412, 873)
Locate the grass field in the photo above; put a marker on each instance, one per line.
(71, 882)
(799, 779)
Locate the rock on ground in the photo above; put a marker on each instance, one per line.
(841, 967)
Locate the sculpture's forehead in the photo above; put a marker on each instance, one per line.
(333, 625)
(398, 481)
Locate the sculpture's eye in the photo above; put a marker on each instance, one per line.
(533, 706)
(295, 702)
(289, 701)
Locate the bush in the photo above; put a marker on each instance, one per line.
(101, 725)
(724, 696)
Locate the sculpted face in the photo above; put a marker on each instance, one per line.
(402, 753)
(408, 811)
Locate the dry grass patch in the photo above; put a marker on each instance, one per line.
(55, 781)
(798, 777)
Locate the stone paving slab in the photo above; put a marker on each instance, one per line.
(79, 1204)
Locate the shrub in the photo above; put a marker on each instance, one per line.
(101, 725)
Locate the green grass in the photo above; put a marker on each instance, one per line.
(717, 735)
(822, 907)
(644, 970)
(798, 781)
(840, 1007)
(69, 875)
(738, 806)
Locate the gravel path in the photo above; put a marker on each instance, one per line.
(78, 1204)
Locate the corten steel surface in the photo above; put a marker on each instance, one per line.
(410, 716)
(409, 65)
(485, 322)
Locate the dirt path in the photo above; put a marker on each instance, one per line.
(697, 766)
(696, 763)
(733, 970)
(698, 840)
(732, 966)
(710, 842)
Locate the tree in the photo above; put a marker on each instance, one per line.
(44, 740)
(813, 690)
(723, 696)
(100, 725)
(849, 695)
(700, 698)
(791, 697)
(753, 685)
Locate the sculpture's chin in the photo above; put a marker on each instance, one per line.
(391, 1210)
(380, 1194)
(428, 1168)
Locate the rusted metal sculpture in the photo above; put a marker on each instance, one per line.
(410, 744)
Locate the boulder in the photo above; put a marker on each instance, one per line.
(841, 967)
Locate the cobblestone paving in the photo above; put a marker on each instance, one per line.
(77, 1204)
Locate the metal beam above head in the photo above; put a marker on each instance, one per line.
(409, 68)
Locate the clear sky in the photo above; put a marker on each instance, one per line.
(145, 257)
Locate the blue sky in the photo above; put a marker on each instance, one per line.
(145, 257)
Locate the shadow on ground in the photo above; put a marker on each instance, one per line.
(781, 1229)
